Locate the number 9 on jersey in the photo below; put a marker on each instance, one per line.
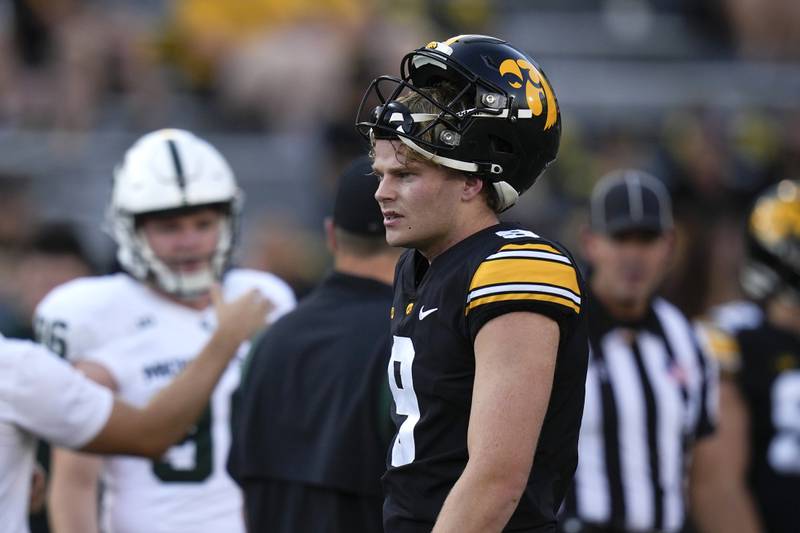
(401, 382)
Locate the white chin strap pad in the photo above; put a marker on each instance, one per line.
(507, 195)
(179, 284)
(182, 284)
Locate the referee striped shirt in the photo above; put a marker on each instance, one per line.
(650, 393)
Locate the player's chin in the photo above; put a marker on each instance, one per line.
(190, 267)
(634, 292)
(396, 237)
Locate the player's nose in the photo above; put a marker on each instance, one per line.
(385, 190)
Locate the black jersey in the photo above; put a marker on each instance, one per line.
(769, 379)
(438, 310)
(312, 426)
(764, 362)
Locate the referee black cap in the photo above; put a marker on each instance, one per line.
(355, 209)
(630, 200)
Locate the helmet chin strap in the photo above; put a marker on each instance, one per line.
(506, 194)
(441, 160)
(183, 285)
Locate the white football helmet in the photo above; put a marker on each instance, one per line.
(166, 170)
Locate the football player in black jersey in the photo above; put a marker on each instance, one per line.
(755, 458)
(489, 354)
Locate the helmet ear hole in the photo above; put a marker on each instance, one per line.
(500, 145)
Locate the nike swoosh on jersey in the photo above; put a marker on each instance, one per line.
(423, 313)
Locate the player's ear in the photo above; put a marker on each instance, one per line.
(587, 242)
(330, 234)
(670, 238)
(473, 186)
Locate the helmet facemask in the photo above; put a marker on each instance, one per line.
(138, 258)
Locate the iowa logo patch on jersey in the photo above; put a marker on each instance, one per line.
(537, 272)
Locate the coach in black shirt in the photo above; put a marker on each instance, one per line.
(649, 389)
(312, 425)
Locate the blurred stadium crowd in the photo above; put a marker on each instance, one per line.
(701, 93)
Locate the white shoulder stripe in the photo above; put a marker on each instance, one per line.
(529, 254)
(523, 287)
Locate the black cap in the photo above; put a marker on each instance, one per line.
(630, 200)
(355, 209)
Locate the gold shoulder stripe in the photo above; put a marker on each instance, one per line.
(721, 343)
(721, 346)
(541, 247)
(524, 296)
(526, 270)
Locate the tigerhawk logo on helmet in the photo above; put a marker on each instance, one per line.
(773, 243)
(502, 122)
(537, 89)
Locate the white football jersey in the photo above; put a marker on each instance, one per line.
(144, 340)
(40, 396)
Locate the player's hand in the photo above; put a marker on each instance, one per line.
(240, 319)
(38, 490)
